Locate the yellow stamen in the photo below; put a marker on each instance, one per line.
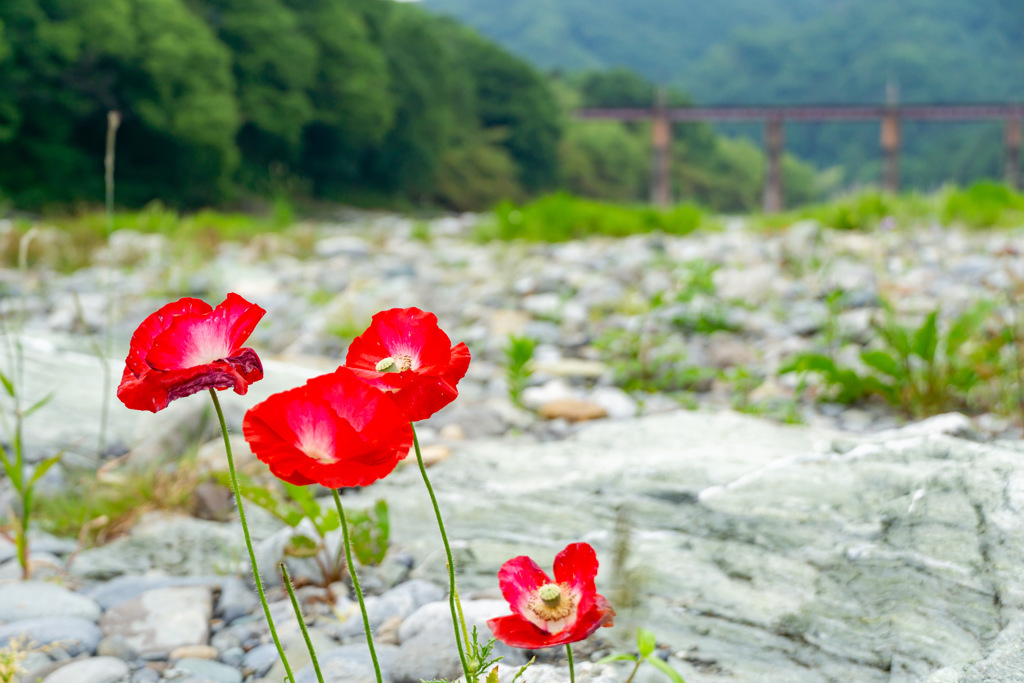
(399, 363)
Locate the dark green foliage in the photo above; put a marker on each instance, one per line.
(152, 59)
(333, 97)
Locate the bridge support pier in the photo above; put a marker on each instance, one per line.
(661, 152)
(891, 150)
(1011, 168)
(774, 142)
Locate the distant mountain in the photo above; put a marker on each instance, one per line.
(659, 39)
(792, 51)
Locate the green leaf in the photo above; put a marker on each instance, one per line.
(303, 497)
(645, 642)
(288, 514)
(617, 658)
(8, 385)
(926, 338)
(964, 327)
(884, 363)
(42, 467)
(39, 404)
(809, 362)
(302, 546)
(666, 669)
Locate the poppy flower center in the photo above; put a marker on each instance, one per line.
(550, 594)
(551, 607)
(399, 363)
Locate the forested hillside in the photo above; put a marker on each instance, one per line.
(368, 101)
(329, 98)
(751, 51)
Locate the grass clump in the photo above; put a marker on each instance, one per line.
(97, 509)
(935, 367)
(66, 243)
(983, 205)
(562, 217)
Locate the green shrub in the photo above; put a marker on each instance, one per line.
(922, 371)
(984, 205)
(561, 217)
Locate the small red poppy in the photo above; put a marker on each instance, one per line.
(335, 430)
(546, 612)
(187, 347)
(404, 352)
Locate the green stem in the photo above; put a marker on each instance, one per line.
(635, 667)
(572, 672)
(302, 622)
(453, 595)
(355, 584)
(248, 539)
(25, 488)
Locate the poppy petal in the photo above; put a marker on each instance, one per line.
(519, 579)
(600, 614)
(515, 631)
(296, 434)
(335, 430)
(152, 326)
(401, 331)
(154, 389)
(576, 567)
(193, 339)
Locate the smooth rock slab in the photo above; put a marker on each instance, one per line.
(763, 552)
(71, 634)
(33, 599)
(160, 620)
(92, 670)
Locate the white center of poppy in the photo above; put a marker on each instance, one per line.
(552, 608)
(206, 344)
(399, 363)
(318, 444)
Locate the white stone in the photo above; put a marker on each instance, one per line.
(92, 670)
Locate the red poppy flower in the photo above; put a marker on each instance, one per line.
(546, 612)
(404, 352)
(187, 347)
(335, 430)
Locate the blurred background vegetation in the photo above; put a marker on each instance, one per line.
(247, 104)
(796, 52)
(242, 102)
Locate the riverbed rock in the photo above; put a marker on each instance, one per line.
(162, 619)
(92, 670)
(21, 600)
(799, 561)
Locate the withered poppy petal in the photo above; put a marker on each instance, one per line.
(186, 347)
